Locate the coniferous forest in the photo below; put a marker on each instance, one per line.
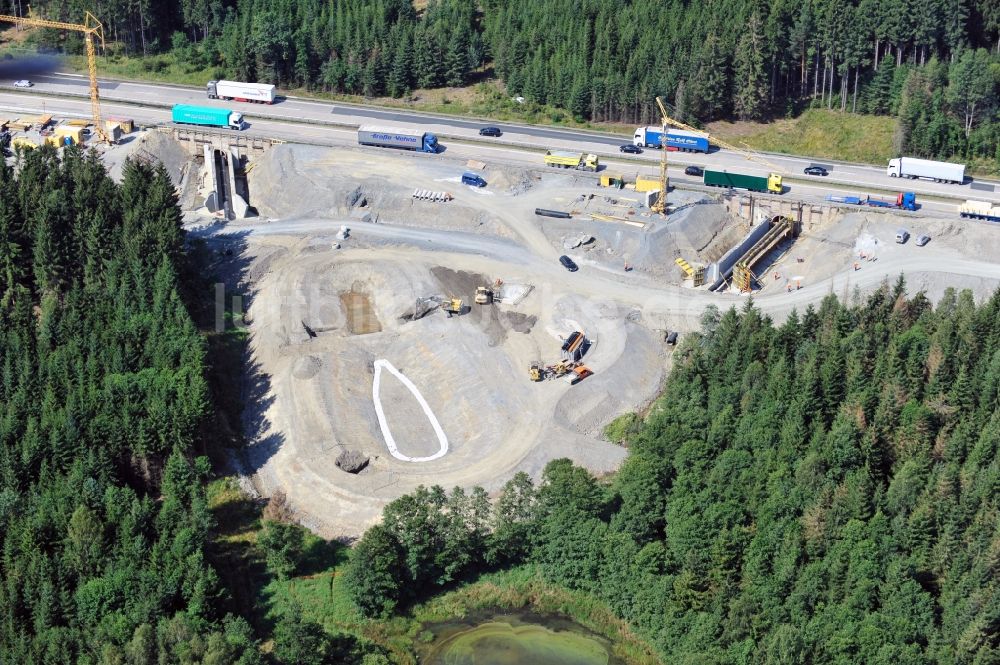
(933, 64)
(821, 491)
(103, 403)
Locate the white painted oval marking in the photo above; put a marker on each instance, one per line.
(384, 425)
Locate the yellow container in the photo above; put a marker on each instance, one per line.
(75, 132)
(647, 184)
(612, 179)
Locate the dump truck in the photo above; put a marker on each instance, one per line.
(484, 295)
(206, 116)
(911, 167)
(769, 183)
(237, 91)
(970, 210)
(397, 137)
(903, 201)
(578, 374)
(680, 139)
(571, 160)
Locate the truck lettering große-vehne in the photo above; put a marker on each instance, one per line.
(974, 210)
(680, 139)
(206, 116)
(769, 183)
(911, 167)
(261, 93)
(571, 160)
(404, 138)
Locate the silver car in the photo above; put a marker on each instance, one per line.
(23, 83)
(923, 240)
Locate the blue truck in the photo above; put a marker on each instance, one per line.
(904, 201)
(206, 116)
(677, 139)
(397, 137)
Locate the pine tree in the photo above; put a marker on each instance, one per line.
(751, 91)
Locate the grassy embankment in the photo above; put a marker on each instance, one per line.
(321, 597)
(819, 133)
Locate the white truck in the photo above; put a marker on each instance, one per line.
(261, 93)
(911, 167)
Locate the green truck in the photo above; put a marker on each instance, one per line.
(770, 183)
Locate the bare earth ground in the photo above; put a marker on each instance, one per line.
(325, 309)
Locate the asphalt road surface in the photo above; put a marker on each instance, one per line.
(264, 120)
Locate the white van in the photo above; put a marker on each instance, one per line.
(902, 235)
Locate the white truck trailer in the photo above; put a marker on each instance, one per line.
(237, 91)
(911, 167)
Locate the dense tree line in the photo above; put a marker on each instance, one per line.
(935, 64)
(103, 403)
(825, 490)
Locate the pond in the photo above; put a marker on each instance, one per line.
(515, 639)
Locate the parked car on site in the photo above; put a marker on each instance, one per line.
(694, 170)
(568, 263)
(490, 131)
(923, 240)
(23, 83)
(902, 235)
(815, 170)
(630, 149)
(473, 179)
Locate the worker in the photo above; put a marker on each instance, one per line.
(788, 287)
(855, 266)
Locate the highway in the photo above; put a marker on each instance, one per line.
(333, 122)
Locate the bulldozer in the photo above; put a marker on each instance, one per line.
(536, 371)
(484, 295)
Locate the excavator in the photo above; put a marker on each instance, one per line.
(575, 372)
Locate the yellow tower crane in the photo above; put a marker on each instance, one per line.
(660, 206)
(91, 29)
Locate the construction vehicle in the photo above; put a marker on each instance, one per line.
(536, 371)
(578, 374)
(571, 160)
(660, 206)
(484, 295)
(92, 30)
(453, 306)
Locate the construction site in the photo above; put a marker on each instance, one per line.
(407, 329)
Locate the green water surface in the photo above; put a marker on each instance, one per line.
(517, 640)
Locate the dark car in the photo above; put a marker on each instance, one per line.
(694, 170)
(490, 131)
(815, 170)
(631, 149)
(568, 263)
